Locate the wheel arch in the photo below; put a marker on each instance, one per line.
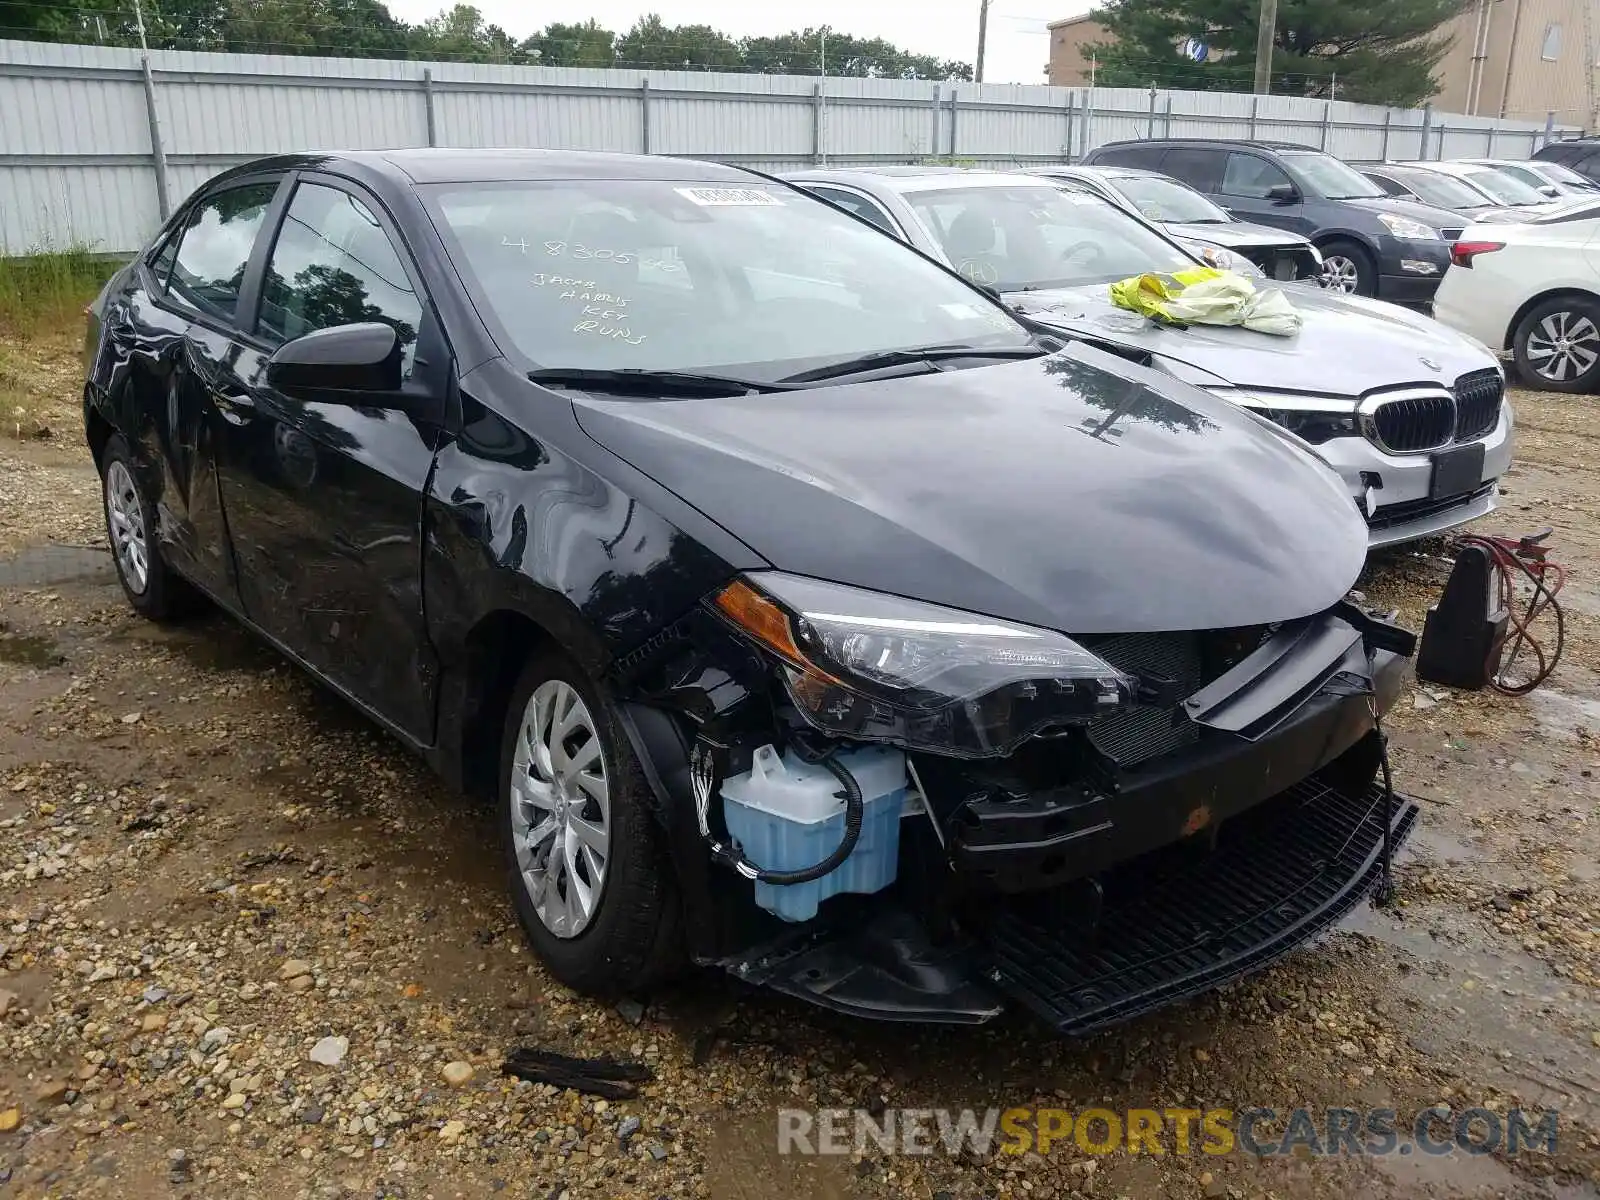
(479, 679)
(1324, 238)
(1533, 302)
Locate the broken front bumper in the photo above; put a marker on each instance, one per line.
(1303, 700)
(1162, 927)
(1185, 923)
(1180, 874)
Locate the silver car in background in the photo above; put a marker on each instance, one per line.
(1411, 414)
(1194, 220)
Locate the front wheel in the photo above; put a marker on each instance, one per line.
(590, 880)
(1557, 345)
(1347, 268)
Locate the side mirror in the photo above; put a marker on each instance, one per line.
(1550, 190)
(343, 358)
(1283, 193)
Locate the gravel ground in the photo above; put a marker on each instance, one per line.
(249, 947)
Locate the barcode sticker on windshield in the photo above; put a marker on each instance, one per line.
(721, 196)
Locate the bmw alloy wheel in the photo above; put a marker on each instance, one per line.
(125, 517)
(1340, 274)
(1563, 346)
(560, 808)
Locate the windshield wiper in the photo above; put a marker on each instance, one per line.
(650, 383)
(895, 358)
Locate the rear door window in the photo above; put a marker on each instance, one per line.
(1148, 157)
(208, 269)
(1198, 166)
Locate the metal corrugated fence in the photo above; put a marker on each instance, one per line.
(96, 141)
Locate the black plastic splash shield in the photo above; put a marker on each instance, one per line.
(1281, 874)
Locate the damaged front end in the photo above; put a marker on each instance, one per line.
(902, 811)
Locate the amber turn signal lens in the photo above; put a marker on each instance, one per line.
(766, 622)
(760, 618)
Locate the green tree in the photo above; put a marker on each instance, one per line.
(348, 28)
(801, 53)
(653, 43)
(559, 45)
(461, 35)
(169, 24)
(1383, 51)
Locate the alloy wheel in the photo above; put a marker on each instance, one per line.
(1563, 346)
(560, 808)
(1340, 274)
(125, 523)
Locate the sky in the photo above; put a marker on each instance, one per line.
(1017, 51)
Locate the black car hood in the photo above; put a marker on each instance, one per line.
(1077, 492)
(1346, 346)
(1234, 235)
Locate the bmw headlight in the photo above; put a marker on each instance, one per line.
(1314, 424)
(1405, 227)
(865, 665)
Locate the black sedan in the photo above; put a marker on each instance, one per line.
(801, 610)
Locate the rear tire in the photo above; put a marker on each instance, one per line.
(153, 588)
(589, 876)
(1557, 345)
(1348, 268)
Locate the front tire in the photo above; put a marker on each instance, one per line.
(589, 877)
(1348, 268)
(154, 589)
(1557, 345)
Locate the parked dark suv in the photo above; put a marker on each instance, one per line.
(1577, 154)
(1373, 245)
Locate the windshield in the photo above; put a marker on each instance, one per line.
(1503, 188)
(755, 281)
(1330, 178)
(1029, 236)
(1559, 173)
(1443, 190)
(1167, 200)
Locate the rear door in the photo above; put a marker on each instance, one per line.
(196, 286)
(323, 488)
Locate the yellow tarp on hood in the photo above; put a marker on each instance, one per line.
(1207, 296)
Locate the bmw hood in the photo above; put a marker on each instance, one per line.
(1234, 235)
(1346, 346)
(1077, 492)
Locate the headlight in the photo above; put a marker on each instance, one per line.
(1312, 425)
(1405, 227)
(864, 665)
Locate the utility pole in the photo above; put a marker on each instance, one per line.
(822, 101)
(983, 38)
(1266, 30)
(138, 16)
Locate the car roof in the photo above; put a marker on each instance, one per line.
(437, 165)
(916, 179)
(1399, 168)
(1255, 143)
(1105, 171)
(1443, 167)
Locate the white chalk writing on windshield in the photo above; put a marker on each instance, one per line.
(616, 332)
